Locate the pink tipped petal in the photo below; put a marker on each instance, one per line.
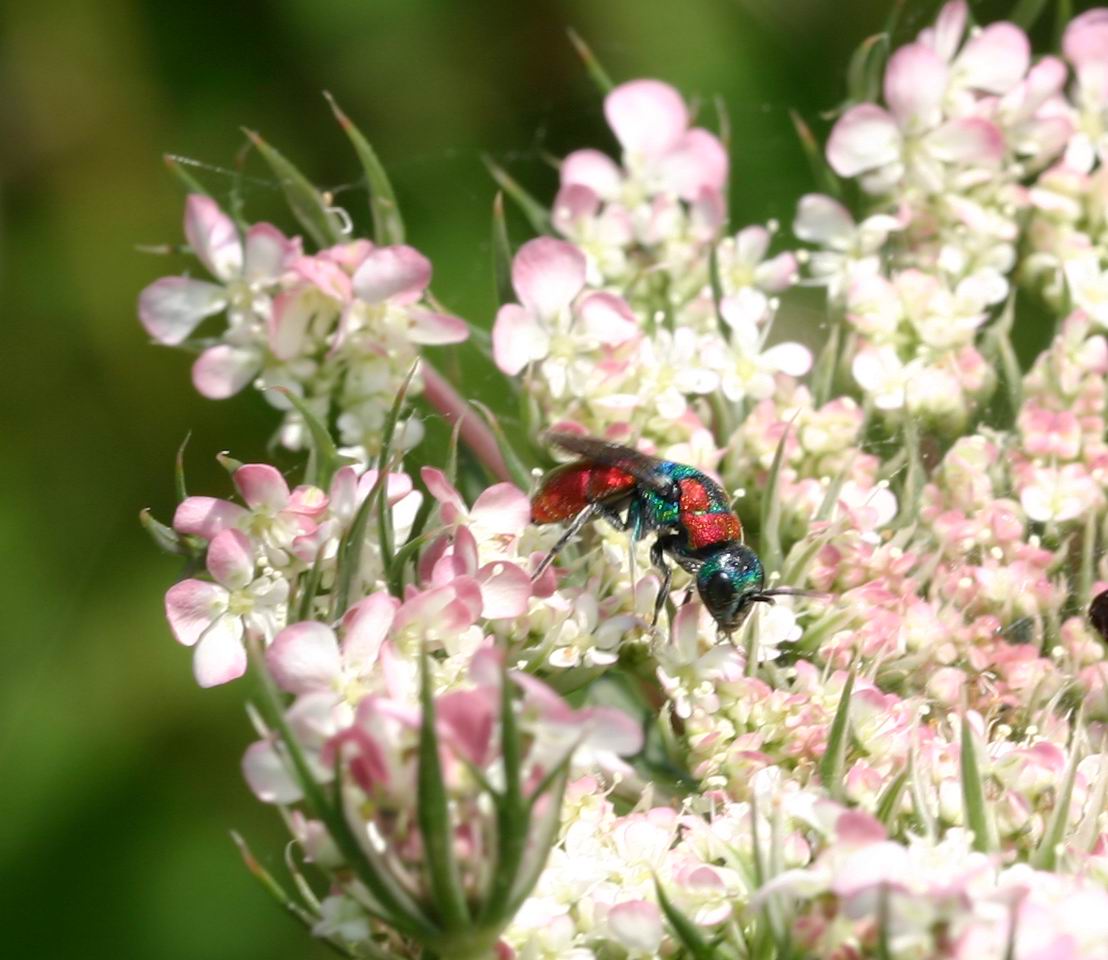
(648, 117)
(777, 274)
(212, 236)
(822, 220)
(207, 516)
(262, 487)
(191, 606)
(791, 358)
(326, 276)
(864, 138)
(613, 730)
(751, 244)
(573, 203)
(505, 591)
(288, 322)
(398, 274)
(267, 776)
(172, 307)
(365, 627)
(231, 559)
(1086, 38)
(222, 371)
(915, 82)
(304, 658)
(696, 163)
(547, 274)
(502, 509)
(637, 926)
(466, 719)
(950, 26)
(594, 170)
(436, 328)
(441, 489)
(971, 140)
(220, 656)
(994, 60)
(517, 339)
(608, 318)
(267, 249)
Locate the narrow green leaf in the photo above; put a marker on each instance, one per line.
(543, 835)
(827, 363)
(716, 282)
(772, 556)
(684, 930)
(598, 74)
(384, 514)
(325, 458)
(888, 803)
(165, 538)
(272, 887)
(884, 952)
(309, 589)
(227, 462)
(307, 204)
(867, 65)
(914, 476)
(433, 812)
(1045, 856)
(1026, 12)
(920, 802)
(822, 174)
(536, 214)
(388, 225)
(513, 813)
(832, 763)
(975, 807)
(179, 469)
(349, 555)
(723, 123)
(177, 166)
(501, 253)
(520, 475)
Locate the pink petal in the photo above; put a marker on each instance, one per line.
(612, 730)
(288, 322)
(326, 276)
(207, 516)
(697, 162)
(505, 590)
(777, 274)
(547, 274)
(441, 489)
(365, 627)
(949, 27)
(608, 318)
(751, 244)
(231, 559)
(212, 236)
(594, 170)
(637, 926)
(172, 307)
(791, 358)
(262, 487)
(220, 656)
(191, 606)
(1086, 38)
(434, 328)
(648, 117)
(915, 82)
(970, 140)
(222, 371)
(572, 204)
(465, 719)
(398, 274)
(994, 60)
(822, 220)
(517, 339)
(502, 509)
(267, 776)
(304, 658)
(864, 138)
(267, 249)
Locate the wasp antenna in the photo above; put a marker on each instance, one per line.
(793, 592)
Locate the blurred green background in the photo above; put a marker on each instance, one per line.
(119, 776)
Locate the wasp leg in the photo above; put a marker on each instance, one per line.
(658, 558)
(574, 528)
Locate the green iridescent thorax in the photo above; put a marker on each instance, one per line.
(660, 512)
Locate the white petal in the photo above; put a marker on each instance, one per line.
(172, 307)
(304, 658)
(220, 656)
(267, 776)
(212, 236)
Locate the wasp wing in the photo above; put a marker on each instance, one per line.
(646, 469)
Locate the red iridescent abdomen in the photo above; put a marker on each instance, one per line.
(706, 517)
(566, 491)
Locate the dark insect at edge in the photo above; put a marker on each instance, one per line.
(688, 511)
